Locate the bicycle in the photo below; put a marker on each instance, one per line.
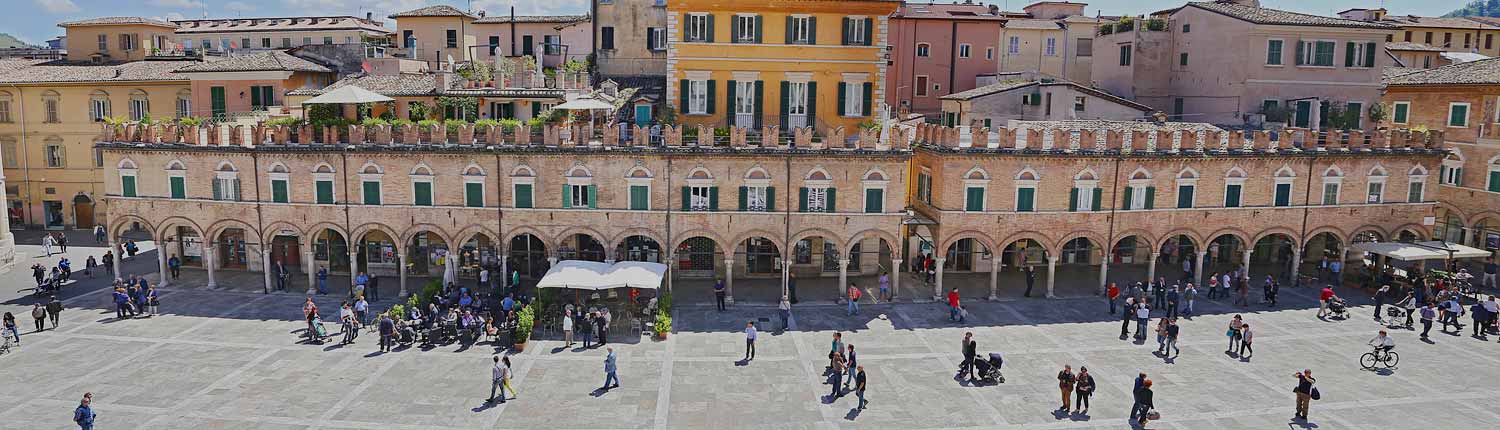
(1379, 356)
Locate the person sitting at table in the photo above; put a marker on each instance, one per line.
(465, 301)
(489, 327)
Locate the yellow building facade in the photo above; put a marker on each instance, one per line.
(818, 64)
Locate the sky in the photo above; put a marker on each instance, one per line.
(37, 23)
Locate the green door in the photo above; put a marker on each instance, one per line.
(1304, 113)
(643, 115)
(179, 187)
(216, 97)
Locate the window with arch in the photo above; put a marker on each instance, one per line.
(140, 105)
(50, 102)
(1452, 170)
(1375, 186)
(473, 186)
(1187, 186)
(522, 181)
(226, 185)
(98, 106)
(176, 180)
(1282, 193)
(1086, 194)
(127, 171)
(817, 193)
(280, 178)
(421, 185)
(5, 99)
(184, 105)
(323, 184)
(580, 191)
(1333, 179)
(700, 194)
(874, 183)
(1026, 183)
(1416, 183)
(1139, 194)
(1492, 181)
(639, 181)
(1234, 186)
(976, 189)
(370, 178)
(757, 195)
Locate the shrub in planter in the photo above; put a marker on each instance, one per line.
(525, 322)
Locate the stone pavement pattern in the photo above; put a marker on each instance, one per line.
(230, 359)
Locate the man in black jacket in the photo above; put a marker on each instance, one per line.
(1135, 407)
(970, 349)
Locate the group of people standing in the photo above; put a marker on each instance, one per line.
(135, 297)
(588, 322)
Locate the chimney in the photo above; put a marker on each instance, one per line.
(369, 16)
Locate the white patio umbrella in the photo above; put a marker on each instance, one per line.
(349, 94)
(585, 103)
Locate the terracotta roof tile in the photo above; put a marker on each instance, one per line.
(119, 20)
(260, 61)
(437, 10)
(1260, 15)
(525, 19)
(34, 71)
(1481, 72)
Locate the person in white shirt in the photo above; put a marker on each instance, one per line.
(484, 278)
(1383, 342)
(567, 326)
(498, 377)
(749, 340)
(786, 313)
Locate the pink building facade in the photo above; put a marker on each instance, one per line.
(939, 49)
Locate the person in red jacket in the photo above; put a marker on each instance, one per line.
(955, 313)
(1323, 299)
(1113, 292)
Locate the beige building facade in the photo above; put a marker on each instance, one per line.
(632, 37)
(230, 34)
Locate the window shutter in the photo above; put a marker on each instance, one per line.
(422, 196)
(1301, 52)
(758, 28)
(1185, 196)
(785, 105)
(791, 33)
(687, 199)
(536, 107)
(710, 28)
(744, 198)
(1073, 200)
(760, 97)
(1232, 196)
(974, 199)
(711, 95)
(593, 196)
(843, 88)
(869, 31)
(1026, 200)
(729, 105)
(833, 200)
(1370, 54)
(812, 30)
(770, 199)
(802, 199)
(473, 195)
(682, 97)
(523, 196)
(874, 200)
(567, 196)
(844, 38)
(1098, 199)
(255, 101)
(869, 98)
(1150, 197)
(713, 199)
(218, 190)
(372, 193)
(650, 41)
(1494, 185)
(812, 104)
(1125, 203)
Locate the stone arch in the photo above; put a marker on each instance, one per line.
(1384, 234)
(700, 172)
(976, 173)
(1039, 237)
(1145, 236)
(319, 227)
(1377, 170)
(639, 172)
(983, 238)
(1333, 171)
(225, 166)
(324, 167)
(875, 232)
(175, 164)
(175, 221)
(1028, 174)
(218, 228)
(1337, 233)
(1191, 235)
(411, 232)
(774, 238)
(1243, 237)
(421, 169)
(1417, 170)
(1422, 232)
(579, 171)
(1285, 172)
(876, 174)
(518, 231)
(371, 168)
(278, 167)
(1477, 218)
(1087, 174)
(637, 231)
(1455, 211)
(757, 172)
(1140, 173)
(272, 230)
(718, 240)
(838, 241)
(570, 231)
(119, 224)
(473, 169)
(1095, 239)
(817, 173)
(126, 163)
(523, 170)
(359, 232)
(1235, 172)
(1187, 173)
(1290, 235)
(474, 230)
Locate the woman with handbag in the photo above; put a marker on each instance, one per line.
(1305, 392)
(1235, 325)
(152, 301)
(1084, 388)
(1148, 407)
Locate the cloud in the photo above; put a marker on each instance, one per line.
(238, 6)
(186, 4)
(58, 6)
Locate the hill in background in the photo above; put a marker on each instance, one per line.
(1478, 8)
(8, 41)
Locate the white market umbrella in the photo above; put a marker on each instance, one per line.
(349, 94)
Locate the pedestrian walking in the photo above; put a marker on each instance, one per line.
(54, 310)
(282, 275)
(1481, 319)
(850, 361)
(1429, 312)
(885, 287)
(786, 313)
(1235, 324)
(1380, 298)
(373, 289)
(567, 329)
(499, 379)
(1451, 311)
(1135, 394)
(47, 242)
(84, 414)
(750, 340)
(109, 262)
(859, 386)
(1159, 293)
(10, 324)
(1274, 292)
(1173, 330)
(122, 303)
(955, 311)
(1490, 270)
(1188, 295)
(1324, 297)
(719, 293)
(387, 332)
(1161, 334)
(587, 326)
(1247, 337)
(39, 317)
(88, 266)
(837, 349)
(853, 296)
(1244, 289)
(1065, 382)
(1112, 293)
(1030, 279)
(1125, 316)
(602, 324)
(610, 369)
(152, 301)
(970, 350)
(361, 307)
(1213, 285)
(1147, 401)
(349, 323)
(1142, 316)
(98, 235)
(1084, 389)
(62, 243)
(1305, 392)
(838, 376)
(322, 280)
(1174, 296)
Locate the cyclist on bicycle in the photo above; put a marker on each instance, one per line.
(1383, 342)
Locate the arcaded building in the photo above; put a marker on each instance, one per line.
(1053, 195)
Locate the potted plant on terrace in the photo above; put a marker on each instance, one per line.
(525, 322)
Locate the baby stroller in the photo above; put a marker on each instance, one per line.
(989, 370)
(1338, 309)
(317, 333)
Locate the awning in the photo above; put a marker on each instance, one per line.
(584, 103)
(348, 94)
(590, 275)
(1430, 250)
